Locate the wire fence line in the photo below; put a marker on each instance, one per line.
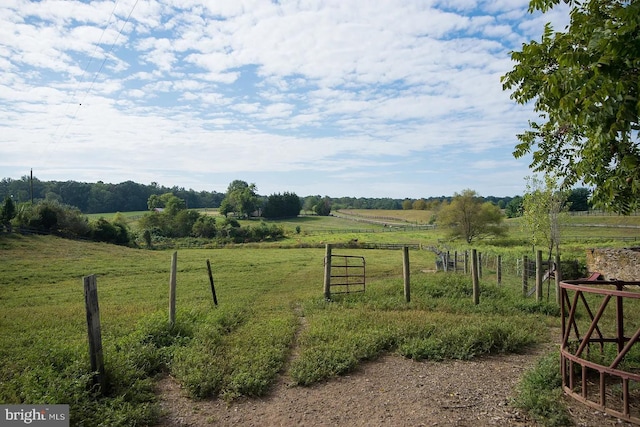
(515, 268)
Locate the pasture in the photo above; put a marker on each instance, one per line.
(271, 316)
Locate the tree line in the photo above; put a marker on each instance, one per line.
(130, 196)
(101, 197)
(466, 215)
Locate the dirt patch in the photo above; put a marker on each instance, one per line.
(390, 391)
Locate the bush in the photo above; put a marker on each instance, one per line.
(205, 226)
(105, 231)
(52, 217)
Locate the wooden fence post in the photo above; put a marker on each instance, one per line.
(558, 280)
(213, 289)
(475, 278)
(499, 269)
(172, 289)
(539, 276)
(93, 327)
(466, 262)
(455, 262)
(479, 264)
(405, 273)
(525, 276)
(327, 273)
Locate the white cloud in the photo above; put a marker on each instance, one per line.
(192, 91)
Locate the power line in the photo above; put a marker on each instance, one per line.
(95, 77)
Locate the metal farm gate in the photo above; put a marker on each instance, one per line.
(347, 274)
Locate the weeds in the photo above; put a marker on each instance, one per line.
(540, 392)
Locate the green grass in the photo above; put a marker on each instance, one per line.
(129, 216)
(270, 301)
(540, 393)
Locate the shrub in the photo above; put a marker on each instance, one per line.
(467, 341)
(205, 226)
(105, 231)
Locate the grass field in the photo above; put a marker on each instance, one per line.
(239, 347)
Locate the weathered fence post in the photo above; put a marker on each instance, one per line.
(466, 262)
(93, 328)
(455, 262)
(475, 277)
(172, 288)
(499, 269)
(539, 276)
(405, 273)
(327, 273)
(558, 276)
(213, 289)
(525, 276)
(479, 264)
(446, 261)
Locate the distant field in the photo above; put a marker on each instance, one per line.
(397, 226)
(110, 215)
(409, 215)
(594, 227)
(423, 217)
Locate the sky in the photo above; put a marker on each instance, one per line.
(357, 98)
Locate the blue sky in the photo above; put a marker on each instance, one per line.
(342, 98)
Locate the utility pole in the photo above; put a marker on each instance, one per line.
(31, 185)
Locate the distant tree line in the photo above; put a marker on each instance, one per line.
(467, 215)
(100, 197)
(169, 218)
(240, 199)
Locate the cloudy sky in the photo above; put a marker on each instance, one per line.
(363, 98)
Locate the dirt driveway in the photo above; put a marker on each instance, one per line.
(391, 391)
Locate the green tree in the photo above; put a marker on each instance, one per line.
(578, 199)
(154, 202)
(514, 207)
(584, 84)
(282, 206)
(166, 201)
(241, 199)
(205, 227)
(544, 210)
(323, 207)
(175, 220)
(173, 205)
(310, 202)
(469, 218)
(7, 213)
(420, 205)
(407, 204)
(110, 232)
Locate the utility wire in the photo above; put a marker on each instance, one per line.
(95, 77)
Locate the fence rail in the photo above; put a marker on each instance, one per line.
(606, 383)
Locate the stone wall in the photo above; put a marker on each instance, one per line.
(620, 264)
